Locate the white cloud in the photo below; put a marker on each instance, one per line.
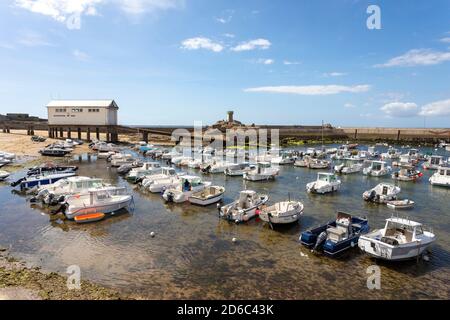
(265, 61)
(445, 40)
(289, 63)
(349, 105)
(201, 43)
(438, 108)
(261, 44)
(8, 46)
(80, 55)
(32, 39)
(229, 35)
(417, 57)
(139, 7)
(334, 74)
(400, 109)
(312, 90)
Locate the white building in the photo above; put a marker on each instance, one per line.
(82, 112)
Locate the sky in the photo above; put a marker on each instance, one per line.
(173, 62)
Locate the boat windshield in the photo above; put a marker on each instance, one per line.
(376, 166)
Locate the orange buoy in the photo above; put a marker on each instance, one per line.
(90, 217)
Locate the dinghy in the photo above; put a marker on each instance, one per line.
(244, 208)
(400, 204)
(336, 236)
(90, 217)
(281, 212)
(407, 174)
(207, 196)
(400, 239)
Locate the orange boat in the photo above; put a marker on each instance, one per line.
(90, 217)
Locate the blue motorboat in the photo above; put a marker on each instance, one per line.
(336, 236)
(42, 178)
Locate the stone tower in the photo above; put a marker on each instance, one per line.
(230, 116)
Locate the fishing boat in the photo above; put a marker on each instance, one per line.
(377, 169)
(207, 196)
(392, 153)
(284, 158)
(350, 165)
(147, 168)
(4, 175)
(382, 193)
(244, 208)
(89, 217)
(400, 204)
(341, 154)
(238, 169)
(336, 236)
(99, 201)
(303, 162)
(284, 212)
(441, 177)
(119, 159)
(318, 164)
(434, 162)
(262, 171)
(326, 182)
(407, 174)
(54, 152)
(187, 186)
(400, 239)
(43, 178)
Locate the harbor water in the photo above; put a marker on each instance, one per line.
(192, 255)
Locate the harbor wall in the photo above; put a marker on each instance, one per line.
(397, 134)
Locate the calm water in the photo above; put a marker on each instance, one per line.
(192, 255)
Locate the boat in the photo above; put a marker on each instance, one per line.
(54, 152)
(377, 169)
(51, 194)
(98, 201)
(4, 175)
(127, 167)
(372, 152)
(441, 177)
(209, 195)
(350, 165)
(186, 187)
(392, 153)
(326, 182)
(400, 239)
(7, 155)
(284, 158)
(303, 162)
(405, 160)
(262, 171)
(160, 174)
(43, 178)
(89, 217)
(120, 159)
(341, 154)
(400, 204)
(147, 168)
(318, 164)
(38, 139)
(434, 162)
(238, 169)
(195, 163)
(105, 154)
(284, 212)
(244, 208)
(50, 167)
(382, 193)
(336, 236)
(407, 174)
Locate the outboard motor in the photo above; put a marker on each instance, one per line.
(62, 209)
(16, 183)
(139, 180)
(320, 240)
(372, 195)
(170, 196)
(206, 170)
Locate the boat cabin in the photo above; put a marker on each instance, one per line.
(400, 230)
(189, 182)
(327, 177)
(341, 230)
(444, 171)
(246, 197)
(151, 165)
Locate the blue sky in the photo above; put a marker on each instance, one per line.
(276, 62)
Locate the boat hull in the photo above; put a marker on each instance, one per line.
(74, 211)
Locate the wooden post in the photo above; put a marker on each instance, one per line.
(79, 133)
(145, 136)
(69, 133)
(97, 132)
(61, 132)
(398, 135)
(88, 134)
(356, 134)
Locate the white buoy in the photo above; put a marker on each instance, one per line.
(152, 234)
(236, 221)
(234, 240)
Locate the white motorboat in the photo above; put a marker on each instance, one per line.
(4, 175)
(147, 168)
(400, 239)
(195, 163)
(207, 196)
(400, 204)
(407, 174)
(404, 160)
(392, 153)
(99, 201)
(382, 193)
(74, 185)
(105, 155)
(326, 182)
(238, 169)
(372, 152)
(318, 164)
(284, 158)
(161, 185)
(349, 166)
(262, 171)
(177, 159)
(7, 155)
(434, 162)
(282, 212)
(160, 174)
(441, 177)
(125, 160)
(303, 162)
(341, 154)
(244, 208)
(187, 186)
(377, 169)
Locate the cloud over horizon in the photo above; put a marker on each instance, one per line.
(311, 90)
